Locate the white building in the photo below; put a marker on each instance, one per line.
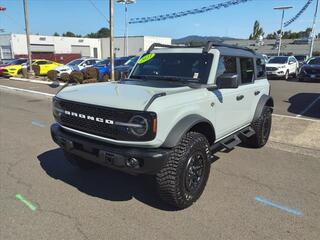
(12, 45)
(136, 45)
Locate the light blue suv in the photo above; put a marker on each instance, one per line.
(178, 106)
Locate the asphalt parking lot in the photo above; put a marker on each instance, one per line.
(269, 193)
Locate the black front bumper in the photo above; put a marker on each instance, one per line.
(113, 156)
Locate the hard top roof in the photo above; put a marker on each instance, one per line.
(224, 49)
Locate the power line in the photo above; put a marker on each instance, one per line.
(98, 10)
(304, 8)
(186, 13)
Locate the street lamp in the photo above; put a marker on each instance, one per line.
(283, 8)
(126, 2)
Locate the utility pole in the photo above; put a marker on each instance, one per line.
(26, 19)
(313, 32)
(280, 37)
(111, 40)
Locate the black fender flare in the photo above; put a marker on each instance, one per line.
(181, 128)
(265, 100)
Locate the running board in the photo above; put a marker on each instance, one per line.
(230, 143)
(233, 140)
(247, 132)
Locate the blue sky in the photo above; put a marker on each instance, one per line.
(79, 16)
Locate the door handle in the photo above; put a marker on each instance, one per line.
(240, 97)
(256, 93)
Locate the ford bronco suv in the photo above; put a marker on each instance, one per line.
(178, 106)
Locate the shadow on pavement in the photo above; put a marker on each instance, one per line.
(102, 182)
(301, 103)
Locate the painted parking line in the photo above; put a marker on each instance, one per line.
(282, 207)
(27, 91)
(29, 204)
(38, 124)
(308, 107)
(295, 117)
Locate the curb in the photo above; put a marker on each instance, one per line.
(35, 81)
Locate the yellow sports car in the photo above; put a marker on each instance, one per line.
(44, 67)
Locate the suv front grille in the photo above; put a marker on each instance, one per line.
(102, 128)
(272, 68)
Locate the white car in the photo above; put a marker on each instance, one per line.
(77, 64)
(282, 67)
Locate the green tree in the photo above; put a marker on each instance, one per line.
(102, 33)
(68, 34)
(257, 31)
(56, 34)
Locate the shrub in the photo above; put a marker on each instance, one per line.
(91, 73)
(76, 77)
(52, 75)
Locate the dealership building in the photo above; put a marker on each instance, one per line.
(63, 48)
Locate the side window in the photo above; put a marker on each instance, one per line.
(90, 62)
(41, 62)
(247, 70)
(261, 67)
(227, 64)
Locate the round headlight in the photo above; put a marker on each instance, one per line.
(139, 125)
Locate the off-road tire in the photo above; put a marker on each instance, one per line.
(262, 128)
(173, 176)
(79, 162)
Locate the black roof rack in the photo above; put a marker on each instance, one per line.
(211, 44)
(206, 48)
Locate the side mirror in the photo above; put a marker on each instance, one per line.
(227, 80)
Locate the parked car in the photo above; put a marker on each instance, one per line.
(16, 67)
(76, 65)
(179, 106)
(104, 67)
(126, 68)
(310, 71)
(11, 63)
(301, 59)
(13, 68)
(5, 61)
(282, 67)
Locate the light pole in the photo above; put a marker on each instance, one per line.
(283, 8)
(111, 40)
(313, 32)
(126, 2)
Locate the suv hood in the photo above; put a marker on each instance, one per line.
(115, 95)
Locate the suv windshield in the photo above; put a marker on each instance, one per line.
(193, 67)
(102, 63)
(281, 60)
(75, 62)
(132, 61)
(314, 61)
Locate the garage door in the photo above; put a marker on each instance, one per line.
(42, 48)
(83, 50)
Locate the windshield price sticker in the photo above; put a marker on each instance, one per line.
(146, 58)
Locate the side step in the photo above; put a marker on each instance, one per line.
(230, 143)
(247, 132)
(233, 140)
